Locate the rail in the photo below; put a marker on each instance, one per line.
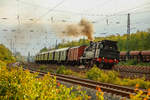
(105, 87)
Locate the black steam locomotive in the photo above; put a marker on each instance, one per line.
(102, 53)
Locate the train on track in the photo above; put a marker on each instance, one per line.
(102, 53)
(139, 56)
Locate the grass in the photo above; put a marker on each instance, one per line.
(107, 77)
(133, 62)
(139, 95)
(112, 77)
(62, 70)
(17, 84)
(43, 67)
(102, 76)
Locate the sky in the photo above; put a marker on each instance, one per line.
(28, 25)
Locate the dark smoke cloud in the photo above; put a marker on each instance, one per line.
(83, 28)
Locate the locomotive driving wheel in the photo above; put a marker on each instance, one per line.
(91, 63)
(101, 66)
(109, 66)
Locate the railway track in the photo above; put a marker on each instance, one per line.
(133, 71)
(105, 87)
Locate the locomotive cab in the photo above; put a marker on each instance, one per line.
(109, 49)
(102, 53)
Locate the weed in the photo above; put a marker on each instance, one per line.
(62, 70)
(17, 84)
(99, 93)
(139, 94)
(43, 67)
(113, 77)
(133, 62)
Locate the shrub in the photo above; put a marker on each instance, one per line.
(51, 70)
(141, 81)
(99, 94)
(122, 63)
(6, 55)
(143, 64)
(94, 73)
(139, 95)
(129, 62)
(17, 84)
(42, 67)
(2, 63)
(112, 77)
(62, 70)
(99, 75)
(132, 62)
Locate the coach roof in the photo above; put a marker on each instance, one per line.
(62, 49)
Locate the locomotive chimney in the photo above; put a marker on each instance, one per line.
(91, 43)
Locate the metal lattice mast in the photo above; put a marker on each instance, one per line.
(128, 33)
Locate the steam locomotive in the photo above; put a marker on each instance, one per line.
(102, 53)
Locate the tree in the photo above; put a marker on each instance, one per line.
(5, 54)
(44, 49)
(138, 41)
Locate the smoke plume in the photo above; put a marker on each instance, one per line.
(83, 28)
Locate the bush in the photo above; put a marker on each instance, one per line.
(129, 62)
(94, 73)
(62, 70)
(132, 62)
(17, 84)
(99, 75)
(139, 95)
(42, 67)
(2, 64)
(142, 83)
(143, 64)
(6, 55)
(113, 77)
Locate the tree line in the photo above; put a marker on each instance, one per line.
(139, 40)
(6, 55)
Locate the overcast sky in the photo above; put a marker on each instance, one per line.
(27, 25)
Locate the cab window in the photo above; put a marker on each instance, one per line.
(110, 47)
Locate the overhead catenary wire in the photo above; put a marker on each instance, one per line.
(51, 9)
(45, 13)
(101, 5)
(128, 10)
(88, 14)
(136, 11)
(84, 14)
(108, 15)
(118, 14)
